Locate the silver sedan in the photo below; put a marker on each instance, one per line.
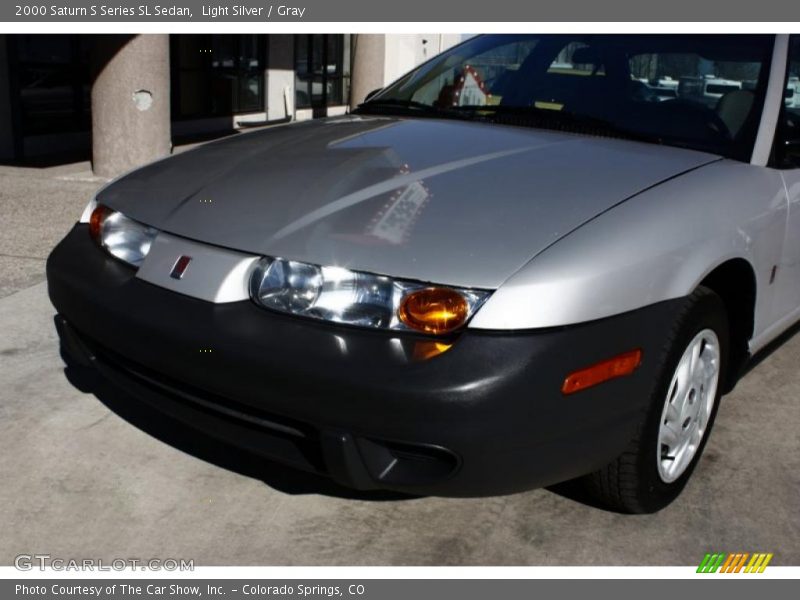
(534, 258)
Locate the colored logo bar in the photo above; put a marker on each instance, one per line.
(734, 562)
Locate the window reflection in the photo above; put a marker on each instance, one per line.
(217, 75)
(322, 70)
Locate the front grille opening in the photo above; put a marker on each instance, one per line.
(264, 433)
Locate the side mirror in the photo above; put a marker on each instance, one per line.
(372, 93)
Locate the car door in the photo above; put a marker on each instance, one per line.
(787, 158)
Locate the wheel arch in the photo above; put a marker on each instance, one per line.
(734, 281)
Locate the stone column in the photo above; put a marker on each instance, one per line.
(369, 57)
(130, 102)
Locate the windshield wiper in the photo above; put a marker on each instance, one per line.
(396, 103)
(408, 107)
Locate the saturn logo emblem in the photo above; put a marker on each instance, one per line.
(179, 268)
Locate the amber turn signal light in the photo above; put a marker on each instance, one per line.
(434, 310)
(619, 366)
(96, 220)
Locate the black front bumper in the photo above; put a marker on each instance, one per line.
(486, 416)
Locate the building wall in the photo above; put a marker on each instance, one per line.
(391, 56)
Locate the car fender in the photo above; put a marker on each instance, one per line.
(656, 246)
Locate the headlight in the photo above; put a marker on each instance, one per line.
(363, 299)
(123, 238)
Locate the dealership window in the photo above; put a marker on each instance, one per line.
(322, 70)
(54, 82)
(217, 75)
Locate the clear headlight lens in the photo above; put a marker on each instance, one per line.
(363, 299)
(123, 238)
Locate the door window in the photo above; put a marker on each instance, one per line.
(790, 134)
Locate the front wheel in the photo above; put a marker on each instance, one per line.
(658, 462)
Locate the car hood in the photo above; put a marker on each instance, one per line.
(445, 201)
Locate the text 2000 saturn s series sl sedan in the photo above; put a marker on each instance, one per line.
(534, 258)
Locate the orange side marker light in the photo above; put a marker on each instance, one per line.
(618, 366)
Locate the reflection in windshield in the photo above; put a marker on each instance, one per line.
(698, 91)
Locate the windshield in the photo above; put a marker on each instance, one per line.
(703, 92)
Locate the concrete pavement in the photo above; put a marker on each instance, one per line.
(37, 207)
(81, 479)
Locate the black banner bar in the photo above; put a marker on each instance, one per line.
(473, 11)
(732, 588)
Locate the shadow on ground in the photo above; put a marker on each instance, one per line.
(51, 159)
(83, 153)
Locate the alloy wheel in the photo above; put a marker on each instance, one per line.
(688, 405)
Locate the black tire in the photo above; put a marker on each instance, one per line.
(631, 483)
